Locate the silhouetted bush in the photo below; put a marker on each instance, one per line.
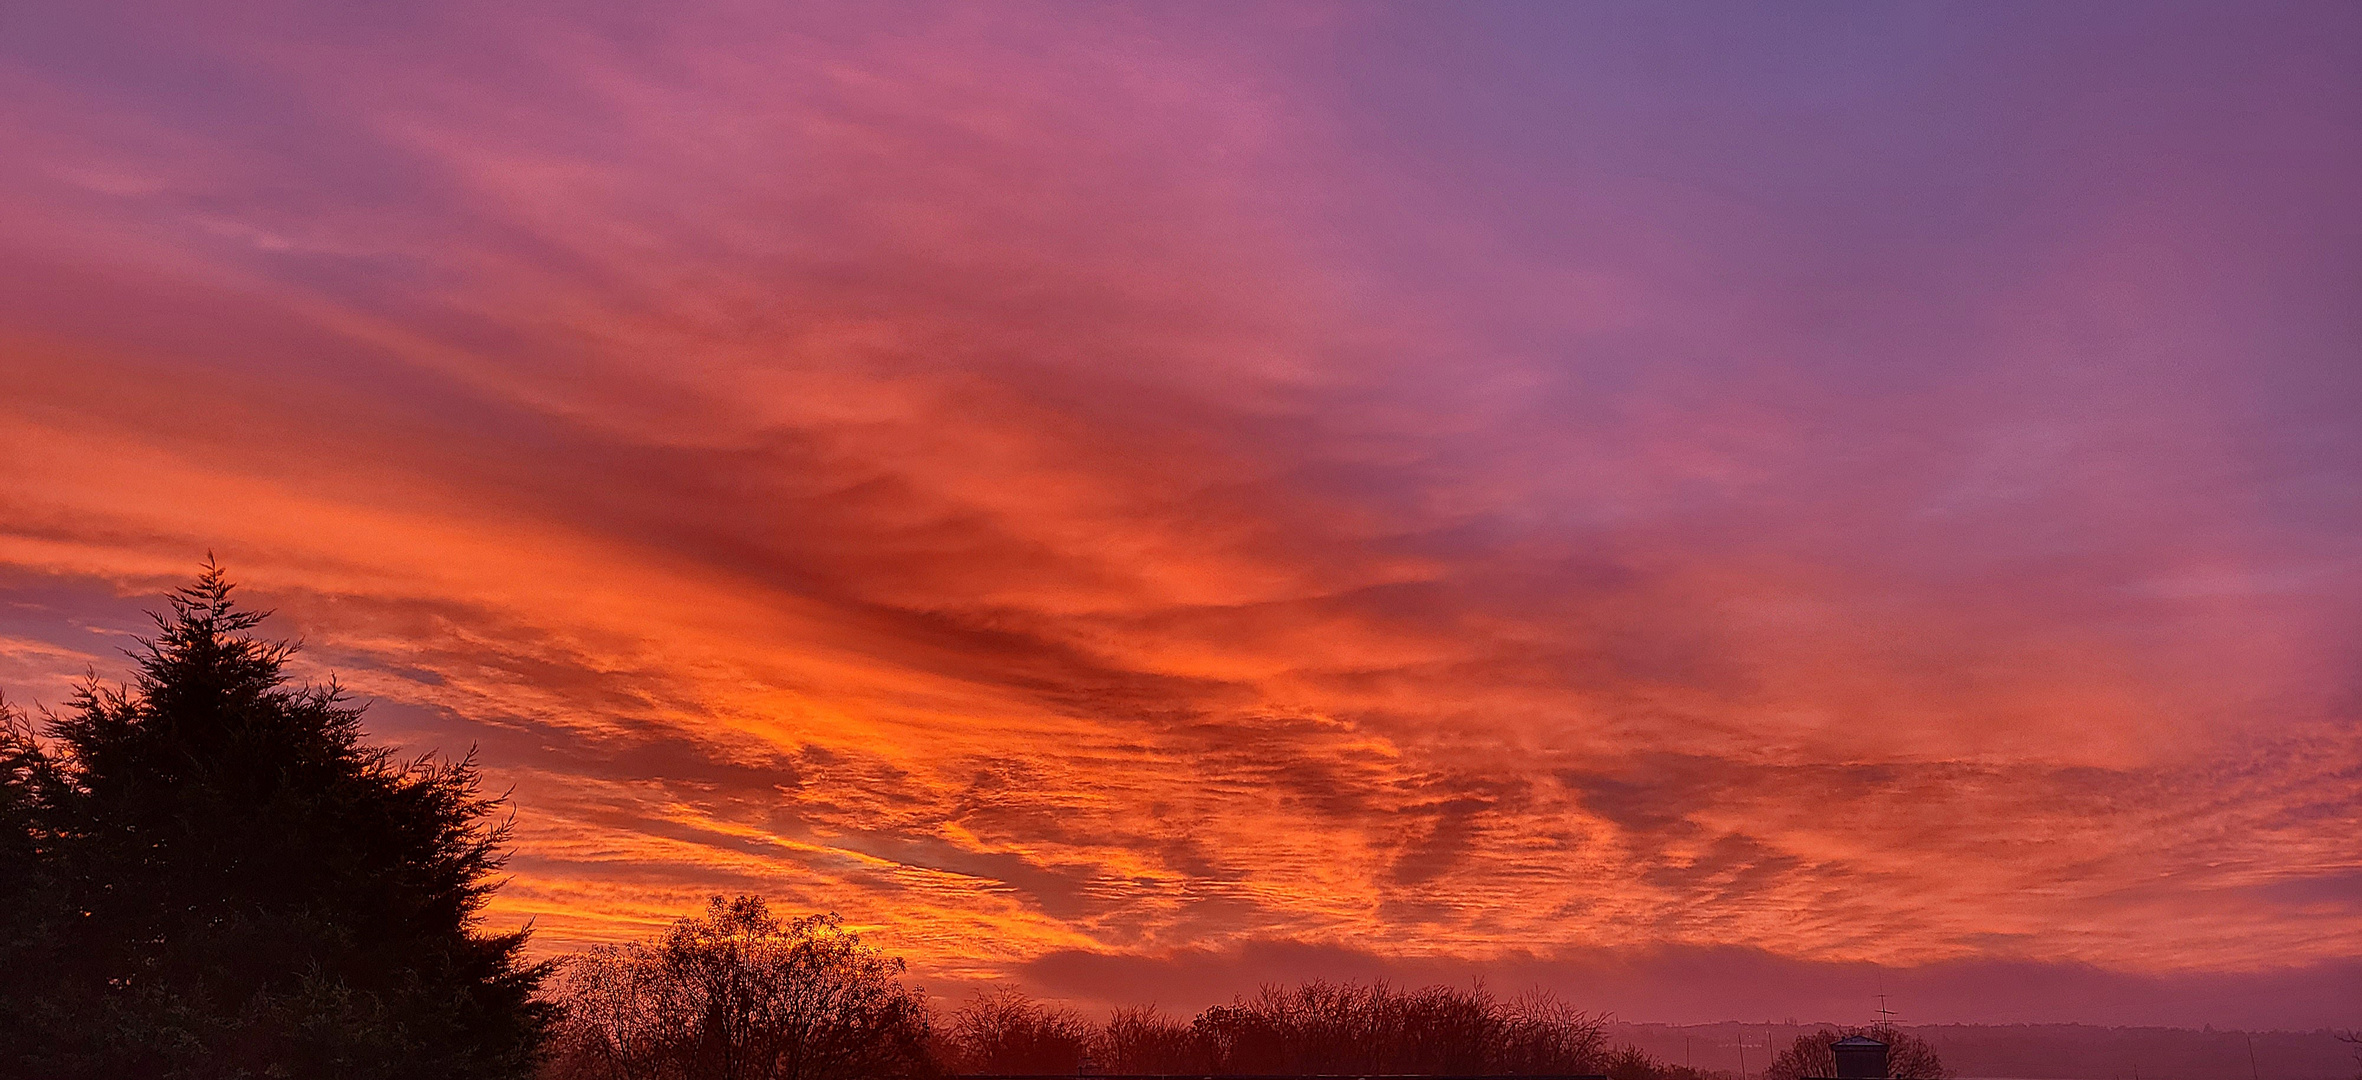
(1631, 1063)
(1326, 1027)
(215, 877)
(1003, 1031)
(1144, 1040)
(738, 994)
(1908, 1057)
(1318, 1027)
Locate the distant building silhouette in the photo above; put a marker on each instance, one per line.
(1859, 1057)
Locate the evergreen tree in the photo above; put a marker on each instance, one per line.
(32, 902)
(249, 889)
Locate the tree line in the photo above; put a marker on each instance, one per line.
(1317, 1027)
(740, 993)
(209, 874)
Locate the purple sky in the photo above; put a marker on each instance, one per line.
(1701, 507)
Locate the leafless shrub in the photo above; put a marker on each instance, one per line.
(1325, 1027)
(1143, 1040)
(1632, 1063)
(1003, 1031)
(1545, 1035)
(1317, 1027)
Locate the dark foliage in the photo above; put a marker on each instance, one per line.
(1003, 1031)
(1630, 1063)
(738, 994)
(1908, 1057)
(1318, 1027)
(231, 883)
(32, 901)
(1322, 1027)
(1144, 1040)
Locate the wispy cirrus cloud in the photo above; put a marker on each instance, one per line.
(1108, 485)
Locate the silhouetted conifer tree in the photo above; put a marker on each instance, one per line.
(32, 902)
(247, 888)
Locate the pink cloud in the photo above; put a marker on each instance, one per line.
(1088, 491)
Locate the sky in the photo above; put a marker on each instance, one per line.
(1716, 510)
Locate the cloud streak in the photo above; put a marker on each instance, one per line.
(1106, 484)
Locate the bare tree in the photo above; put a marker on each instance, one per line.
(1003, 1031)
(1144, 1040)
(1545, 1035)
(738, 994)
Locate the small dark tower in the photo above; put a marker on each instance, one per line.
(1859, 1058)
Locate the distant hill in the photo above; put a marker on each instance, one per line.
(2038, 1051)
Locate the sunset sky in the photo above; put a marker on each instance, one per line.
(1717, 510)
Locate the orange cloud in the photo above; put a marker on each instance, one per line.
(994, 476)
